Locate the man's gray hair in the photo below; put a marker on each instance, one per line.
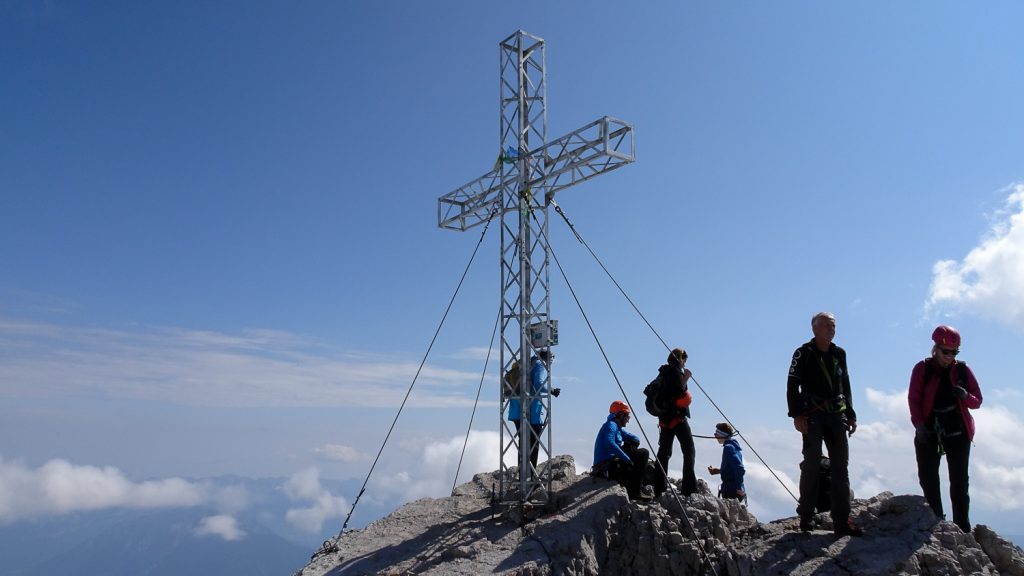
(828, 315)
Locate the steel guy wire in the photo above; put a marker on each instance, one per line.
(579, 237)
(418, 370)
(682, 510)
(476, 402)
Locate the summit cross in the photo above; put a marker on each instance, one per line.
(528, 172)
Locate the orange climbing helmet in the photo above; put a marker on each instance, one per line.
(618, 406)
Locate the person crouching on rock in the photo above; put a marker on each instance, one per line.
(732, 469)
(618, 455)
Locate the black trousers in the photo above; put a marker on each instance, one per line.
(666, 437)
(830, 429)
(631, 476)
(729, 495)
(958, 455)
(537, 429)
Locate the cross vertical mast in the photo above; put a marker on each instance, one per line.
(525, 296)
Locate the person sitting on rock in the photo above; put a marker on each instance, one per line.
(732, 469)
(618, 455)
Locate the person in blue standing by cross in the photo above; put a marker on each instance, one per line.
(538, 418)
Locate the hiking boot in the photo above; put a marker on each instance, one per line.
(806, 525)
(847, 529)
(647, 492)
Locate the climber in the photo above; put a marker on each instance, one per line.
(821, 405)
(675, 393)
(618, 455)
(539, 365)
(942, 391)
(732, 469)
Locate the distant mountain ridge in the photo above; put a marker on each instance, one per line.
(594, 529)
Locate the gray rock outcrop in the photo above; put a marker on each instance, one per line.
(594, 529)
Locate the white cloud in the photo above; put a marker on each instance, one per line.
(221, 525)
(59, 487)
(768, 497)
(1004, 394)
(304, 486)
(254, 369)
(434, 472)
(340, 452)
(1001, 487)
(989, 280)
(883, 431)
(480, 353)
(892, 404)
(998, 430)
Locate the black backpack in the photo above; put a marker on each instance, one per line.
(653, 403)
(961, 372)
(824, 503)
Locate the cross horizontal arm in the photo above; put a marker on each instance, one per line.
(601, 146)
(471, 204)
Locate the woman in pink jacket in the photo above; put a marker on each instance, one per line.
(942, 391)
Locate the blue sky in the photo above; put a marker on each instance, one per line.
(220, 253)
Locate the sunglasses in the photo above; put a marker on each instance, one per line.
(948, 352)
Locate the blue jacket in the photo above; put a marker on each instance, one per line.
(538, 381)
(732, 466)
(609, 441)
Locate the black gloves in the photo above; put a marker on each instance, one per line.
(555, 392)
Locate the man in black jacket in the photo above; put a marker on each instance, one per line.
(821, 405)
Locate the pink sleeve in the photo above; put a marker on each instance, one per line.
(915, 395)
(973, 400)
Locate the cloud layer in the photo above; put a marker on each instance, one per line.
(259, 368)
(433, 472)
(340, 453)
(59, 487)
(990, 279)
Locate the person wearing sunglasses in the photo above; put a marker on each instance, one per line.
(942, 391)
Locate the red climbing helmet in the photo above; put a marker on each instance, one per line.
(618, 406)
(946, 336)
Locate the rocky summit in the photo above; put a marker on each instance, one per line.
(592, 528)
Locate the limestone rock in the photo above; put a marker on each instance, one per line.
(594, 529)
